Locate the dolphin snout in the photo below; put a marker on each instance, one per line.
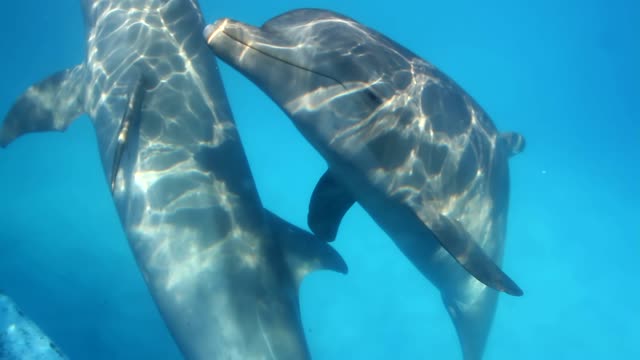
(211, 30)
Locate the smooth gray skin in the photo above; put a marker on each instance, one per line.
(223, 271)
(400, 138)
(21, 338)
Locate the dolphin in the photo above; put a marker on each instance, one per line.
(223, 271)
(401, 138)
(21, 338)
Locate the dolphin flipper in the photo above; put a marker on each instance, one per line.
(303, 251)
(329, 203)
(459, 243)
(512, 142)
(52, 104)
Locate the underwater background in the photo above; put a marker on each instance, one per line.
(563, 73)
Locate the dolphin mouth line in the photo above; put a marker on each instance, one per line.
(283, 60)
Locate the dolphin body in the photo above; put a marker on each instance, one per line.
(400, 138)
(21, 338)
(223, 271)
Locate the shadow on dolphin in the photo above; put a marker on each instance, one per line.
(21, 338)
(223, 271)
(400, 138)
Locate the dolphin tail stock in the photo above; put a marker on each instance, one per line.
(472, 323)
(303, 251)
(49, 105)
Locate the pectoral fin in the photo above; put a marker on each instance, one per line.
(512, 142)
(329, 203)
(459, 243)
(129, 125)
(303, 251)
(50, 105)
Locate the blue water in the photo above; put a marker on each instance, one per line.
(563, 73)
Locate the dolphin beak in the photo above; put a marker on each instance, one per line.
(233, 42)
(247, 47)
(260, 55)
(230, 39)
(211, 31)
(272, 61)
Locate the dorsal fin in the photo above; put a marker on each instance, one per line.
(50, 105)
(513, 142)
(303, 251)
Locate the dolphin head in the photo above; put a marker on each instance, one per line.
(325, 70)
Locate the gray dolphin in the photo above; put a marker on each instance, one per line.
(223, 271)
(21, 338)
(400, 138)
